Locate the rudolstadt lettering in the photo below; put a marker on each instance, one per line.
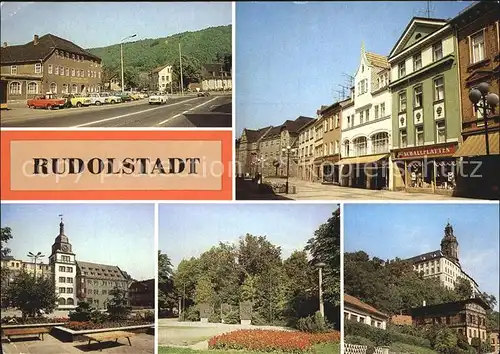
(114, 166)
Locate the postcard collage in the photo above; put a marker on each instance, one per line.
(286, 177)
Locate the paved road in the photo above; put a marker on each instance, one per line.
(188, 112)
(317, 191)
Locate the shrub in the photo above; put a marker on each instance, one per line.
(82, 312)
(268, 340)
(246, 309)
(117, 305)
(148, 316)
(312, 324)
(232, 317)
(358, 340)
(190, 314)
(214, 318)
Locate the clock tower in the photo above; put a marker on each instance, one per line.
(63, 264)
(449, 244)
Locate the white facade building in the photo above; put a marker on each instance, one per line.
(306, 151)
(358, 311)
(366, 126)
(161, 79)
(62, 261)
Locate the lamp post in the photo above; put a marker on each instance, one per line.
(321, 305)
(121, 56)
(489, 101)
(180, 66)
(35, 257)
(287, 150)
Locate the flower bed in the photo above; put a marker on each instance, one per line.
(12, 320)
(81, 326)
(269, 340)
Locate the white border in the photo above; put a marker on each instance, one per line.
(233, 100)
(341, 206)
(156, 243)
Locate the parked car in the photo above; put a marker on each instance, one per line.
(97, 98)
(135, 96)
(203, 94)
(158, 98)
(124, 96)
(49, 101)
(110, 98)
(78, 100)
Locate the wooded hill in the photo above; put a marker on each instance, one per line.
(209, 45)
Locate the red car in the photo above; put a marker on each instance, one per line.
(48, 101)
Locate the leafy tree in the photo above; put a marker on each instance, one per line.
(204, 293)
(5, 236)
(30, 295)
(247, 289)
(463, 289)
(191, 70)
(118, 305)
(167, 298)
(445, 339)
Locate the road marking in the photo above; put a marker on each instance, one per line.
(131, 114)
(180, 114)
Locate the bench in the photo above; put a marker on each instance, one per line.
(24, 332)
(109, 336)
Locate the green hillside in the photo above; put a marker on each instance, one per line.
(144, 55)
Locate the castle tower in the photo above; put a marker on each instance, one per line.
(449, 244)
(63, 264)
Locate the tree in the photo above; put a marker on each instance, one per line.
(5, 236)
(166, 292)
(109, 73)
(445, 339)
(30, 295)
(191, 70)
(118, 305)
(204, 293)
(463, 289)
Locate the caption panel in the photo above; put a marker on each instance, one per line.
(107, 165)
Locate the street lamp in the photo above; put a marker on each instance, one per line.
(287, 150)
(121, 55)
(321, 305)
(35, 257)
(489, 102)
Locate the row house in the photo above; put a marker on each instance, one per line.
(214, 77)
(477, 34)
(426, 113)
(48, 64)
(247, 151)
(290, 132)
(366, 126)
(306, 151)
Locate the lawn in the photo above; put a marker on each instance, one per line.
(407, 348)
(317, 349)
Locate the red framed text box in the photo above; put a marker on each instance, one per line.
(116, 165)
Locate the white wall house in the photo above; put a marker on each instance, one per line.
(358, 311)
(161, 78)
(366, 126)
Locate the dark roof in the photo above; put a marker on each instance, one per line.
(293, 126)
(148, 284)
(351, 300)
(7, 258)
(213, 67)
(30, 52)
(275, 131)
(254, 135)
(106, 271)
(481, 7)
(426, 256)
(431, 309)
(160, 68)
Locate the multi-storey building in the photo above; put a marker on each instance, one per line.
(48, 64)
(289, 133)
(14, 266)
(495, 341)
(318, 148)
(214, 77)
(444, 263)
(161, 79)
(247, 151)
(331, 139)
(142, 293)
(358, 311)
(270, 153)
(366, 135)
(425, 107)
(467, 317)
(306, 151)
(96, 281)
(477, 33)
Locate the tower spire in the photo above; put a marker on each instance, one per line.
(61, 225)
(363, 50)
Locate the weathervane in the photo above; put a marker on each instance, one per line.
(61, 216)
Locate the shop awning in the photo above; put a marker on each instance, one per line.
(362, 159)
(475, 145)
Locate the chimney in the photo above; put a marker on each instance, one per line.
(423, 303)
(35, 39)
(5, 44)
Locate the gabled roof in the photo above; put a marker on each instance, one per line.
(106, 271)
(431, 309)
(217, 67)
(415, 21)
(273, 132)
(160, 68)
(254, 135)
(377, 60)
(293, 126)
(30, 52)
(351, 300)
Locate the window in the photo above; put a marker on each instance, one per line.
(417, 92)
(67, 71)
(50, 68)
(361, 117)
(78, 73)
(56, 70)
(346, 148)
(88, 73)
(380, 143)
(376, 111)
(403, 138)
(477, 43)
(104, 292)
(419, 135)
(13, 69)
(440, 131)
(402, 102)
(417, 62)
(402, 69)
(72, 72)
(65, 88)
(437, 51)
(439, 89)
(65, 258)
(367, 115)
(32, 88)
(82, 73)
(99, 74)
(69, 290)
(360, 145)
(382, 110)
(61, 268)
(337, 121)
(74, 88)
(38, 68)
(73, 56)
(15, 88)
(62, 280)
(62, 290)
(69, 280)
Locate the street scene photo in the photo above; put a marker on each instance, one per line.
(421, 278)
(126, 64)
(399, 104)
(77, 278)
(252, 279)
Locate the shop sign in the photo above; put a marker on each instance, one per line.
(427, 151)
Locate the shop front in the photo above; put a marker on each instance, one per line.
(330, 171)
(369, 172)
(426, 169)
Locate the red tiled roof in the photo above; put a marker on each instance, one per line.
(351, 300)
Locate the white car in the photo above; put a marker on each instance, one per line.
(99, 98)
(158, 98)
(110, 98)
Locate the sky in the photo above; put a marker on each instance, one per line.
(388, 231)
(291, 56)
(99, 24)
(188, 230)
(112, 234)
